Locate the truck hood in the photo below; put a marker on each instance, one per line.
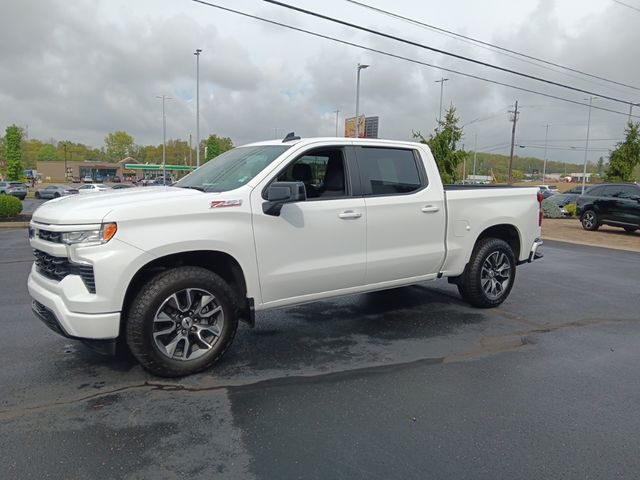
(93, 207)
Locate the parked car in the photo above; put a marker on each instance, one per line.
(172, 270)
(614, 204)
(120, 186)
(578, 190)
(98, 179)
(116, 179)
(562, 200)
(16, 189)
(87, 179)
(92, 188)
(55, 191)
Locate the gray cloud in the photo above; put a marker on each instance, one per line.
(78, 70)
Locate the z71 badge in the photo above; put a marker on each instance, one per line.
(225, 203)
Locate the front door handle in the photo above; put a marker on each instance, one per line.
(347, 214)
(430, 208)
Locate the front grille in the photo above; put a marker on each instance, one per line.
(56, 268)
(47, 317)
(48, 236)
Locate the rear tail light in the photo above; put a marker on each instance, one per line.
(540, 214)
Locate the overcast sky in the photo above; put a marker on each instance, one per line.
(78, 70)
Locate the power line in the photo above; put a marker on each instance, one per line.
(400, 57)
(627, 5)
(443, 52)
(491, 45)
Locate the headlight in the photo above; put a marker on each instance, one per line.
(103, 235)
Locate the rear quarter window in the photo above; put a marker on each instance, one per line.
(389, 171)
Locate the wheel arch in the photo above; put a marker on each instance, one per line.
(504, 231)
(217, 262)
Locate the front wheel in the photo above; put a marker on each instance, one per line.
(589, 220)
(38, 195)
(630, 229)
(182, 321)
(489, 276)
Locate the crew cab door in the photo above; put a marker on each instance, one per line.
(316, 245)
(405, 214)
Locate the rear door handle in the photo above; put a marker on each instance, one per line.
(430, 208)
(347, 214)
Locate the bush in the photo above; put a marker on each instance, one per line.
(10, 206)
(551, 210)
(571, 209)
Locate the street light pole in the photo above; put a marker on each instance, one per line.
(360, 67)
(441, 82)
(544, 165)
(164, 139)
(586, 146)
(337, 112)
(197, 54)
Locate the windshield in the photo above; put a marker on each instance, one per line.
(232, 169)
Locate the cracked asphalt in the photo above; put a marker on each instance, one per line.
(407, 383)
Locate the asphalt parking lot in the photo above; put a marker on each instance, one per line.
(408, 383)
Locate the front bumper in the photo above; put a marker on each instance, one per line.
(51, 309)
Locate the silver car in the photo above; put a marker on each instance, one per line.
(17, 189)
(54, 191)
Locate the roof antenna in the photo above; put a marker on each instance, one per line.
(290, 136)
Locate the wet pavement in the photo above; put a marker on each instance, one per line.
(407, 383)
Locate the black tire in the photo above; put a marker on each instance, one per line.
(145, 308)
(589, 220)
(56, 195)
(630, 229)
(38, 195)
(485, 287)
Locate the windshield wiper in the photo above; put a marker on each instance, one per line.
(200, 189)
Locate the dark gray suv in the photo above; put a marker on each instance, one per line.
(614, 204)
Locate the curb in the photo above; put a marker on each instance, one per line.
(573, 242)
(14, 224)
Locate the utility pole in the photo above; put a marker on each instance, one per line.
(164, 139)
(190, 151)
(441, 82)
(197, 54)
(544, 165)
(65, 161)
(475, 155)
(513, 139)
(586, 146)
(337, 112)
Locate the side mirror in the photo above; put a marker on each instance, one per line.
(280, 193)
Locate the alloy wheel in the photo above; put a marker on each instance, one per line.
(188, 324)
(495, 275)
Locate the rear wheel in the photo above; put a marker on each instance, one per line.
(182, 321)
(589, 220)
(38, 195)
(489, 276)
(56, 195)
(630, 229)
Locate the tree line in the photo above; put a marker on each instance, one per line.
(18, 153)
(453, 160)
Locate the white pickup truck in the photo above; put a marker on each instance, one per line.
(171, 270)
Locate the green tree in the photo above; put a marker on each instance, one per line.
(217, 145)
(47, 152)
(118, 145)
(13, 146)
(444, 146)
(600, 166)
(624, 158)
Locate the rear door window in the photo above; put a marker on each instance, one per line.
(389, 171)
